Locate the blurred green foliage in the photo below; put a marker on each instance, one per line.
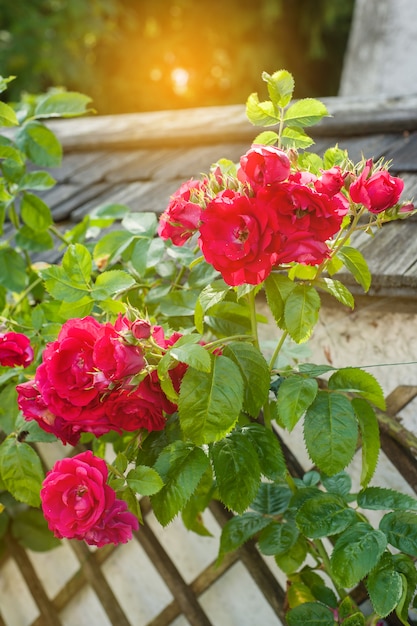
(139, 55)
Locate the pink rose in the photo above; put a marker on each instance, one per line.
(330, 182)
(239, 238)
(115, 358)
(378, 191)
(263, 165)
(181, 218)
(15, 349)
(78, 504)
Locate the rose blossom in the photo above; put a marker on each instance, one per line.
(263, 165)
(181, 218)
(15, 349)
(115, 358)
(238, 238)
(78, 504)
(330, 182)
(378, 191)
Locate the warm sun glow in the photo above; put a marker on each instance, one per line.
(180, 78)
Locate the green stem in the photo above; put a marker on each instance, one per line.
(221, 342)
(59, 235)
(278, 349)
(253, 320)
(318, 544)
(24, 294)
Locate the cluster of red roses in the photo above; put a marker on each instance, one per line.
(271, 214)
(85, 381)
(15, 350)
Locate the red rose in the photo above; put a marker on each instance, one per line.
(78, 504)
(140, 407)
(15, 349)
(115, 358)
(181, 218)
(238, 238)
(263, 165)
(330, 182)
(378, 191)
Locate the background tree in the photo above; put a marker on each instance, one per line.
(137, 55)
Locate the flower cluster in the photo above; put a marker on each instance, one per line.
(86, 381)
(78, 504)
(273, 214)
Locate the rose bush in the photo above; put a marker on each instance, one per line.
(141, 350)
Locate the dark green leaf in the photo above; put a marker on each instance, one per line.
(357, 266)
(330, 432)
(291, 560)
(35, 213)
(356, 380)
(209, 408)
(385, 587)
(40, 144)
(277, 288)
(193, 354)
(340, 483)
(179, 303)
(31, 530)
(338, 291)
(301, 311)
(237, 470)
(277, 538)
(15, 279)
(272, 499)
(255, 374)
(60, 285)
(356, 552)
(295, 395)
(240, 529)
(210, 295)
(268, 449)
(400, 528)
(21, 471)
(380, 498)
(181, 466)
(325, 514)
(369, 429)
(310, 614)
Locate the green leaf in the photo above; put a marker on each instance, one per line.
(34, 240)
(314, 371)
(77, 263)
(380, 498)
(357, 266)
(280, 87)
(405, 566)
(110, 283)
(400, 528)
(129, 496)
(144, 480)
(179, 303)
(208, 408)
(271, 499)
(277, 288)
(240, 529)
(35, 213)
(237, 471)
(295, 138)
(356, 619)
(144, 223)
(369, 429)
(255, 374)
(21, 471)
(7, 115)
(339, 484)
(356, 552)
(210, 296)
(385, 586)
(113, 211)
(62, 104)
(290, 561)
(268, 449)
(261, 113)
(8, 407)
(305, 112)
(356, 380)
(310, 614)
(330, 432)
(338, 291)
(194, 355)
(301, 312)
(40, 144)
(266, 138)
(180, 466)
(277, 538)
(37, 180)
(295, 395)
(60, 285)
(324, 515)
(31, 530)
(191, 513)
(15, 279)
(111, 246)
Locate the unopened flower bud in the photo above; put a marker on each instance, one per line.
(141, 329)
